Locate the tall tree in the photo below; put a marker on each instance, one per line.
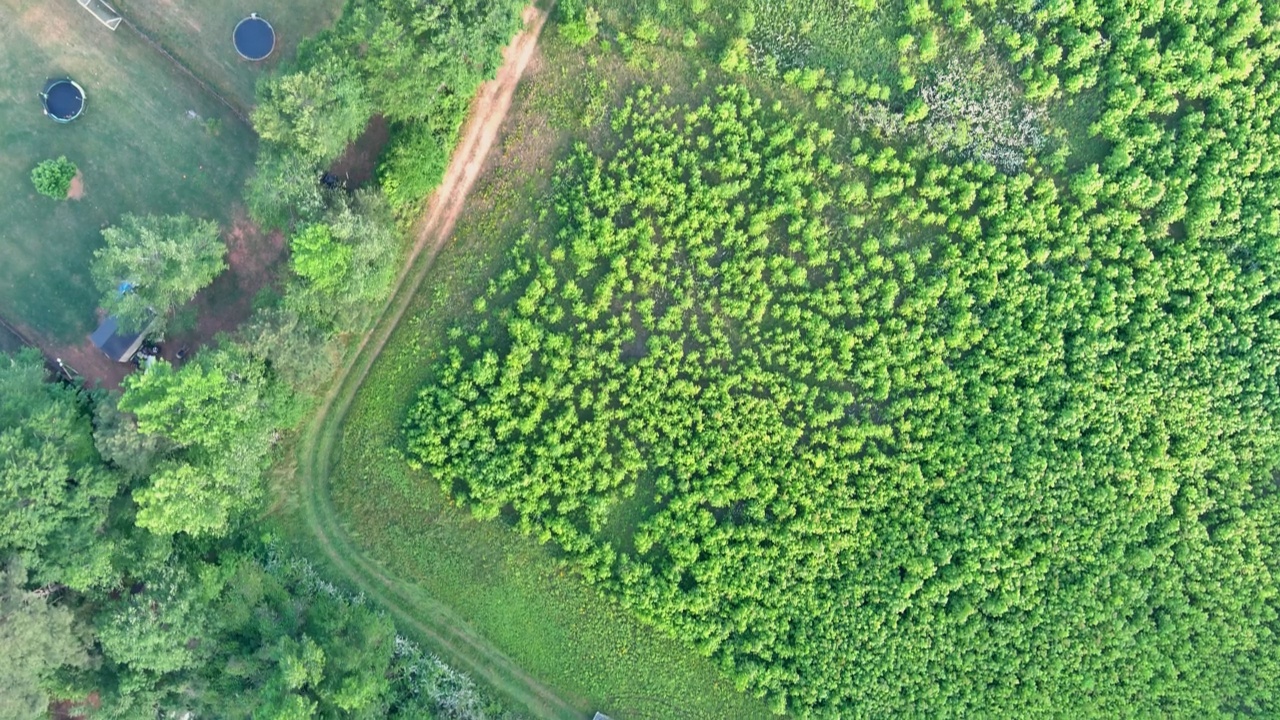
(316, 111)
(221, 411)
(36, 638)
(157, 625)
(119, 441)
(54, 488)
(284, 188)
(152, 264)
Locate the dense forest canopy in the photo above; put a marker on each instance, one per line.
(890, 430)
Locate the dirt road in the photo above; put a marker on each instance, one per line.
(446, 632)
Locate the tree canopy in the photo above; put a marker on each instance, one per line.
(36, 639)
(54, 491)
(52, 178)
(315, 111)
(152, 264)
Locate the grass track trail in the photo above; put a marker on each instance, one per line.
(411, 608)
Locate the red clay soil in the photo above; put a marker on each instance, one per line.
(66, 709)
(252, 257)
(76, 190)
(360, 160)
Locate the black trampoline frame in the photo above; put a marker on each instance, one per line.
(255, 17)
(55, 82)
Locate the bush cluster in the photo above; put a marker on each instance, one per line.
(52, 178)
(889, 432)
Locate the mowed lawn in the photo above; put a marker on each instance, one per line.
(142, 146)
(199, 34)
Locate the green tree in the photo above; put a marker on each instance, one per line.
(284, 188)
(316, 111)
(221, 411)
(119, 442)
(36, 639)
(156, 626)
(54, 489)
(163, 260)
(53, 177)
(322, 261)
(350, 264)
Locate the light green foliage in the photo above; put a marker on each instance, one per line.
(54, 490)
(361, 242)
(198, 499)
(52, 178)
(157, 626)
(314, 112)
(284, 189)
(581, 30)
(36, 638)
(734, 58)
(960, 442)
(318, 258)
(223, 410)
(201, 404)
(166, 258)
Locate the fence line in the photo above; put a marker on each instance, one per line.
(16, 333)
(235, 109)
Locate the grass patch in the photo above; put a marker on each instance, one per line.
(141, 147)
(199, 35)
(516, 593)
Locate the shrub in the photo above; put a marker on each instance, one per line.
(582, 30)
(413, 165)
(53, 177)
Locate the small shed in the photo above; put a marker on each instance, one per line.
(115, 344)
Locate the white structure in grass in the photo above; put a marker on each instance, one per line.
(106, 14)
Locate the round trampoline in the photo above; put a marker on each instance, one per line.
(254, 38)
(63, 100)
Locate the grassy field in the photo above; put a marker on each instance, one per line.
(142, 145)
(199, 35)
(514, 592)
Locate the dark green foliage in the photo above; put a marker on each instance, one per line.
(165, 259)
(52, 178)
(421, 61)
(290, 640)
(284, 189)
(119, 442)
(54, 491)
(891, 435)
(296, 350)
(36, 638)
(414, 163)
(255, 635)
